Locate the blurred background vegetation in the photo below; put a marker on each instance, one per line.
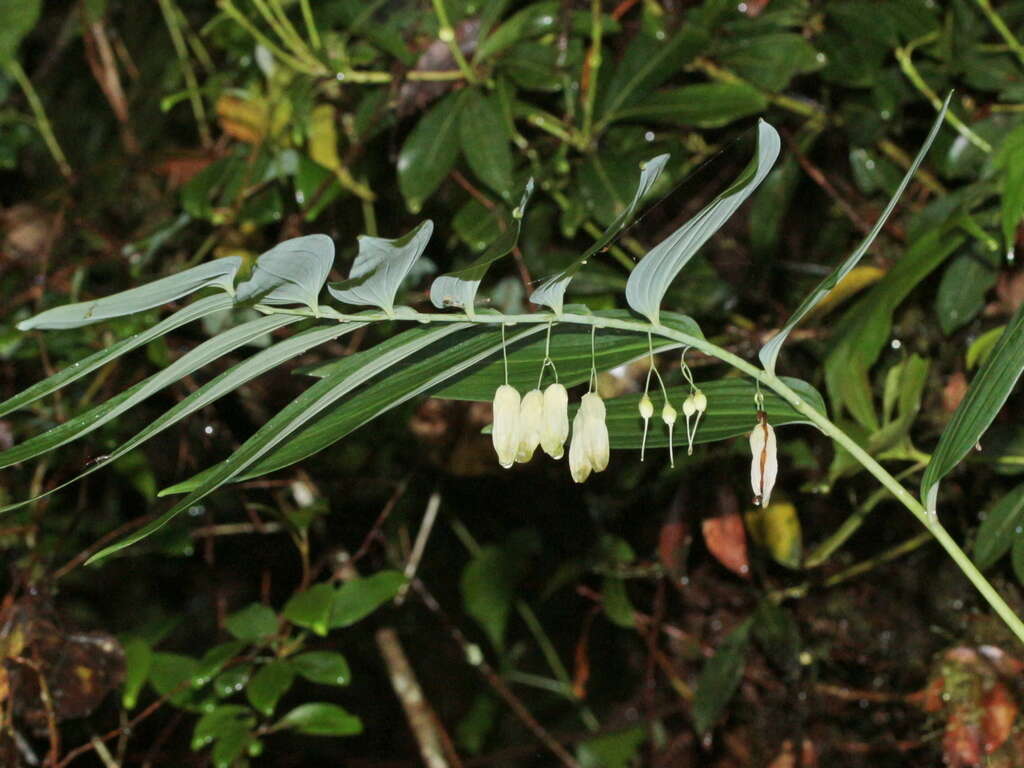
(646, 618)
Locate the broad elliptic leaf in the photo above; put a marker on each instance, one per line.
(194, 311)
(321, 720)
(19, 17)
(770, 352)
(269, 684)
(458, 289)
(551, 292)
(999, 529)
(705, 105)
(205, 353)
(292, 272)
(651, 278)
(263, 361)
(311, 608)
(324, 667)
(254, 622)
(720, 678)
(138, 659)
(983, 401)
(485, 141)
(355, 600)
(219, 273)
(380, 267)
(429, 151)
(303, 409)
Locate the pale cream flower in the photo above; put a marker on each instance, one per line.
(765, 464)
(555, 428)
(505, 431)
(579, 463)
(597, 446)
(589, 449)
(531, 422)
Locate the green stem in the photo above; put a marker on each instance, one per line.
(298, 65)
(311, 30)
(1004, 31)
(904, 57)
(43, 124)
(447, 35)
(593, 66)
(168, 9)
(769, 380)
(852, 524)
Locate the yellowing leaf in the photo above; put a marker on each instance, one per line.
(244, 118)
(323, 137)
(777, 529)
(859, 278)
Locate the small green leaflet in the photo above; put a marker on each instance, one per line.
(193, 311)
(651, 278)
(292, 272)
(551, 293)
(219, 273)
(380, 268)
(458, 289)
(770, 352)
(205, 353)
(985, 398)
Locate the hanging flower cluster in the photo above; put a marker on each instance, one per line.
(588, 451)
(537, 420)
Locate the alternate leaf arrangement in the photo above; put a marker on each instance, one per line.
(462, 350)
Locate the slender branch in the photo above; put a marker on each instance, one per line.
(42, 121)
(447, 35)
(191, 83)
(593, 65)
(1004, 31)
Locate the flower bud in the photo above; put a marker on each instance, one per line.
(668, 415)
(505, 431)
(764, 466)
(689, 407)
(700, 401)
(646, 407)
(531, 422)
(555, 428)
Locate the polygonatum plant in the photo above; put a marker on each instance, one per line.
(468, 351)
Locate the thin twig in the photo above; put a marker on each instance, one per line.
(474, 656)
(429, 518)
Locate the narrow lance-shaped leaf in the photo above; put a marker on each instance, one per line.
(986, 396)
(770, 352)
(424, 373)
(651, 278)
(458, 289)
(73, 372)
(285, 422)
(219, 273)
(380, 267)
(205, 353)
(292, 272)
(230, 380)
(551, 293)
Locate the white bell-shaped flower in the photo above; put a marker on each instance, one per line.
(589, 449)
(531, 423)
(555, 429)
(764, 466)
(505, 430)
(579, 462)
